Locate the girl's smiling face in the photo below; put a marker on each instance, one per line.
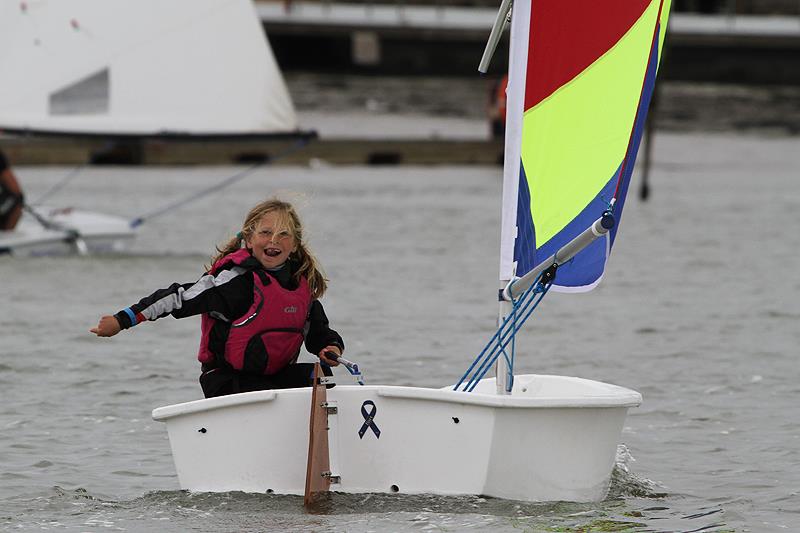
(272, 240)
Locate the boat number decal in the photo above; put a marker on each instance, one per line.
(369, 420)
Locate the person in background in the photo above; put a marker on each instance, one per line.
(259, 303)
(11, 198)
(497, 107)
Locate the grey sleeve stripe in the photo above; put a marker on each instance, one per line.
(202, 285)
(164, 306)
(173, 301)
(208, 281)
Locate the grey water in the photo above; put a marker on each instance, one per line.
(699, 311)
(680, 106)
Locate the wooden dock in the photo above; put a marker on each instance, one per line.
(65, 151)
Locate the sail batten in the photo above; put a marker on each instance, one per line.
(586, 79)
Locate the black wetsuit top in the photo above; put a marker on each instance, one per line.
(229, 293)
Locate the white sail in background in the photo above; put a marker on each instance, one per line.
(139, 67)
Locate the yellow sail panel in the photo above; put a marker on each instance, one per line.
(574, 141)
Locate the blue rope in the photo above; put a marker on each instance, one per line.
(486, 357)
(494, 338)
(522, 309)
(507, 332)
(508, 336)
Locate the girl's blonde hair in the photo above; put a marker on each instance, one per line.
(287, 220)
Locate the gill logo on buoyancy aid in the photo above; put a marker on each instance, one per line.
(269, 335)
(259, 297)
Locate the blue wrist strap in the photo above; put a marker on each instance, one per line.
(130, 315)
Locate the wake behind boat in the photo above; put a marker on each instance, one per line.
(580, 84)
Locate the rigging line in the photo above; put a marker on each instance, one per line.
(500, 339)
(44, 222)
(59, 184)
(533, 296)
(494, 337)
(656, 31)
(71, 235)
(497, 344)
(138, 221)
(501, 346)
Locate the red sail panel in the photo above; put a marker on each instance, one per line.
(566, 36)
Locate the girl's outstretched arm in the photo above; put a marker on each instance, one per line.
(229, 293)
(107, 327)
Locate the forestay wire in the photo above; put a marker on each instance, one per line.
(138, 221)
(506, 334)
(59, 184)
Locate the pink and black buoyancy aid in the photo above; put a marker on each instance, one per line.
(268, 337)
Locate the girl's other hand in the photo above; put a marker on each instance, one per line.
(328, 361)
(107, 327)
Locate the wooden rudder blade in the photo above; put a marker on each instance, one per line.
(318, 469)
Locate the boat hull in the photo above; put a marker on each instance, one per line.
(554, 438)
(69, 231)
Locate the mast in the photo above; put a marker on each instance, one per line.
(515, 96)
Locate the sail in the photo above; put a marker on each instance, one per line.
(146, 67)
(581, 75)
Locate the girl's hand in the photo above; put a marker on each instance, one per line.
(327, 360)
(107, 327)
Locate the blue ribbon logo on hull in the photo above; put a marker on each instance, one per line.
(369, 420)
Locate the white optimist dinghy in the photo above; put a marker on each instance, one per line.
(579, 86)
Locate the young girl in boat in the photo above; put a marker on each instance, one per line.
(259, 303)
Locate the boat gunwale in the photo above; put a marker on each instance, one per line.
(616, 397)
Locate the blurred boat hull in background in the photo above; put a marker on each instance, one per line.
(66, 231)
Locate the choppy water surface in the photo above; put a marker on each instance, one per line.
(699, 311)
